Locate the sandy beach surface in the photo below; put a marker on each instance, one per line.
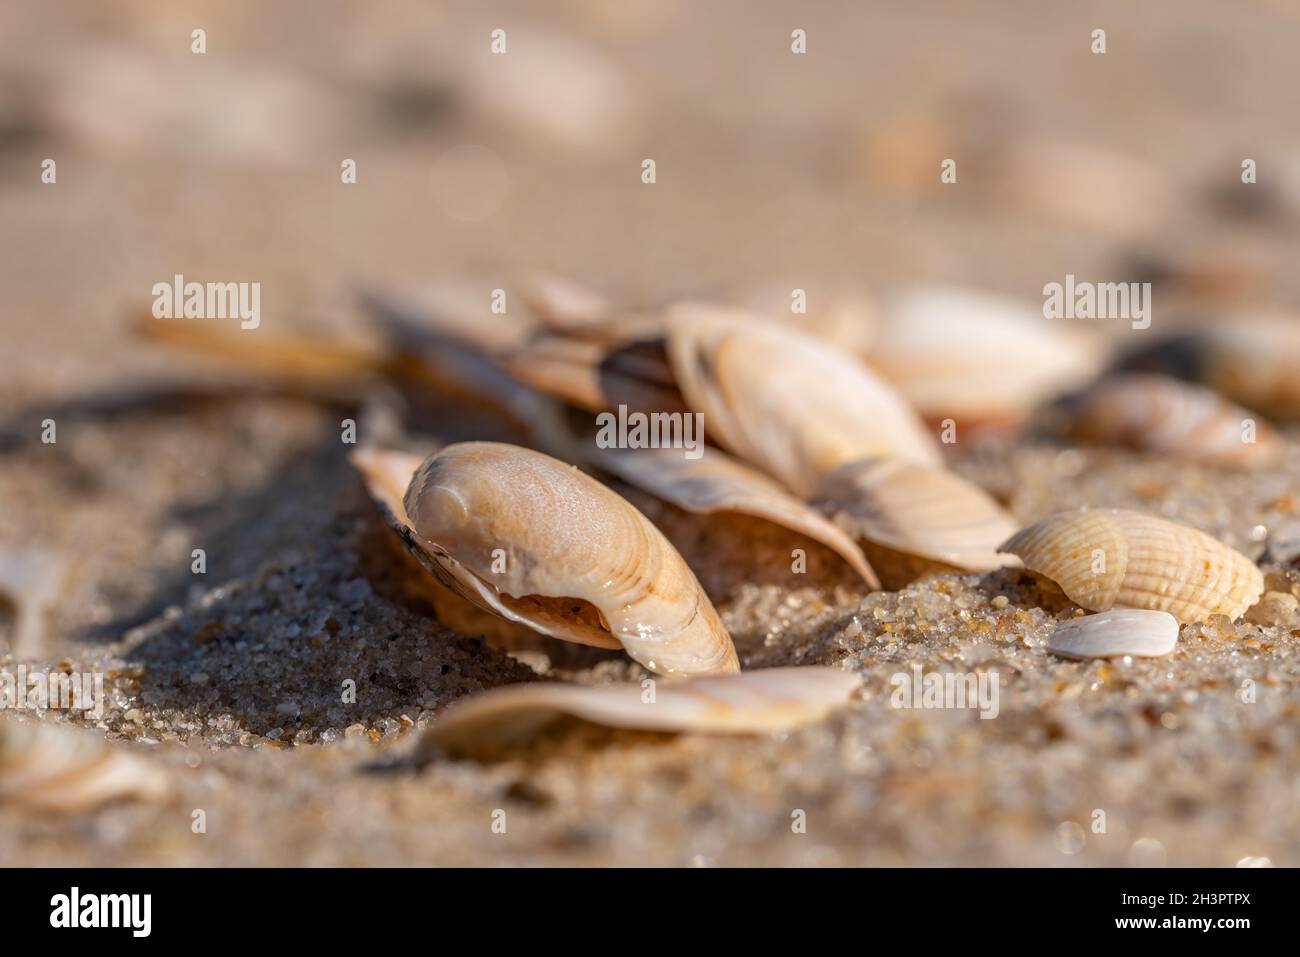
(226, 165)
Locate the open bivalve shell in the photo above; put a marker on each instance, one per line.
(927, 512)
(46, 767)
(1108, 558)
(786, 402)
(715, 482)
(1110, 634)
(755, 702)
(540, 543)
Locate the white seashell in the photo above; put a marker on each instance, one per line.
(975, 356)
(540, 543)
(927, 512)
(51, 768)
(1177, 419)
(715, 482)
(755, 702)
(1123, 631)
(785, 402)
(1108, 558)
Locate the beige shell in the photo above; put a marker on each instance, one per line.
(540, 543)
(715, 482)
(755, 702)
(1177, 419)
(1109, 634)
(976, 357)
(919, 510)
(1109, 558)
(785, 402)
(1254, 359)
(51, 768)
(848, 319)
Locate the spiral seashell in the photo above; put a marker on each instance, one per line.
(540, 543)
(46, 767)
(715, 482)
(1113, 558)
(755, 702)
(1112, 634)
(927, 512)
(786, 402)
(1156, 413)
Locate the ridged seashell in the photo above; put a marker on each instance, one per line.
(1108, 558)
(715, 482)
(1123, 631)
(755, 702)
(1177, 419)
(785, 402)
(974, 356)
(922, 511)
(538, 542)
(50, 768)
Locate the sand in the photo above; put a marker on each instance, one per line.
(232, 680)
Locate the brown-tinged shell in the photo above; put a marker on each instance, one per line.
(785, 402)
(927, 512)
(755, 702)
(1113, 558)
(46, 767)
(539, 542)
(715, 482)
(1179, 420)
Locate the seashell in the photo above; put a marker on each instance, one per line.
(1254, 359)
(974, 356)
(565, 307)
(785, 402)
(538, 542)
(1123, 631)
(1108, 558)
(755, 702)
(51, 768)
(595, 375)
(919, 510)
(1157, 413)
(849, 320)
(715, 482)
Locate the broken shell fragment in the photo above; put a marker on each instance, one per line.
(1123, 631)
(1107, 558)
(755, 702)
(786, 402)
(1177, 419)
(50, 768)
(715, 482)
(540, 543)
(927, 512)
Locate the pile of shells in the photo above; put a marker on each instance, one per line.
(823, 436)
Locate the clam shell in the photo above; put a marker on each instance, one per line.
(755, 702)
(1123, 631)
(715, 482)
(540, 543)
(50, 768)
(597, 375)
(785, 402)
(977, 357)
(1107, 558)
(919, 510)
(1177, 419)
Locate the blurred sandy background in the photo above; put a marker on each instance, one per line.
(819, 171)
